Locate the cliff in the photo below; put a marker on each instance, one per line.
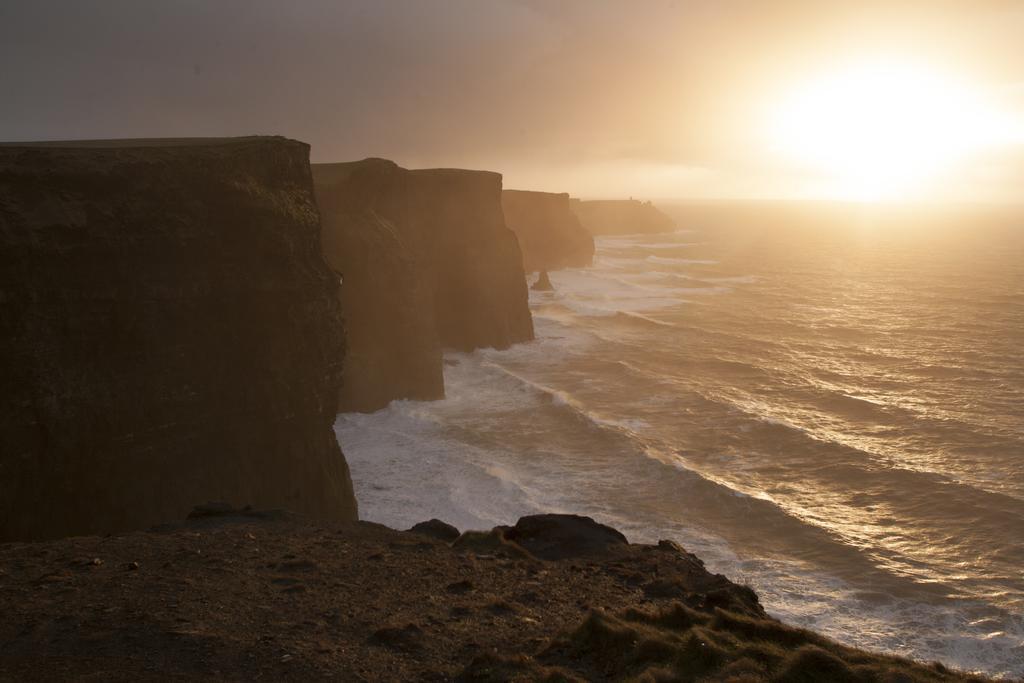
(549, 233)
(272, 597)
(481, 299)
(427, 263)
(621, 217)
(170, 335)
(393, 347)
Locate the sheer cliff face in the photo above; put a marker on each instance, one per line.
(549, 233)
(438, 268)
(621, 217)
(170, 335)
(393, 348)
(481, 298)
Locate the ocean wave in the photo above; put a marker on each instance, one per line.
(658, 246)
(666, 260)
(723, 497)
(680, 282)
(734, 279)
(617, 287)
(565, 400)
(631, 316)
(404, 447)
(635, 237)
(618, 262)
(728, 498)
(602, 307)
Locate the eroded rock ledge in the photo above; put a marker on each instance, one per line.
(244, 596)
(170, 333)
(428, 262)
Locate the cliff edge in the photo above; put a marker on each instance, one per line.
(621, 217)
(550, 234)
(268, 596)
(170, 335)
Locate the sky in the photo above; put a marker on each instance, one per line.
(647, 98)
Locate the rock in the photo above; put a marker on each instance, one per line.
(621, 217)
(493, 543)
(543, 283)
(427, 262)
(170, 334)
(435, 528)
(673, 547)
(550, 234)
(558, 537)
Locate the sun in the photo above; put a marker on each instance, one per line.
(881, 130)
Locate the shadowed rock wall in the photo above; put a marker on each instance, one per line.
(455, 217)
(393, 348)
(549, 233)
(437, 267)
(170, 334)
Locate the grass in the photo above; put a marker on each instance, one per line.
(680, 643)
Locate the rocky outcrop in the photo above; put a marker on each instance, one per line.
(427, 263)
(557, 537)
(435, 528)
(170, 335)
(394, 351)
(549, 233)
(543, 283)
(621, 217)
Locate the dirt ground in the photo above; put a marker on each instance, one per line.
(275, 597)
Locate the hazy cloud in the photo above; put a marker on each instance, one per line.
(550, 92)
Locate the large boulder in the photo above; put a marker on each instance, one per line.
(549, 233)
(170, 335)
(559, 537)
(435, 528)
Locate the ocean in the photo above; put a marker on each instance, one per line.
(823, 402)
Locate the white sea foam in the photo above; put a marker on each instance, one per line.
(665, 260)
